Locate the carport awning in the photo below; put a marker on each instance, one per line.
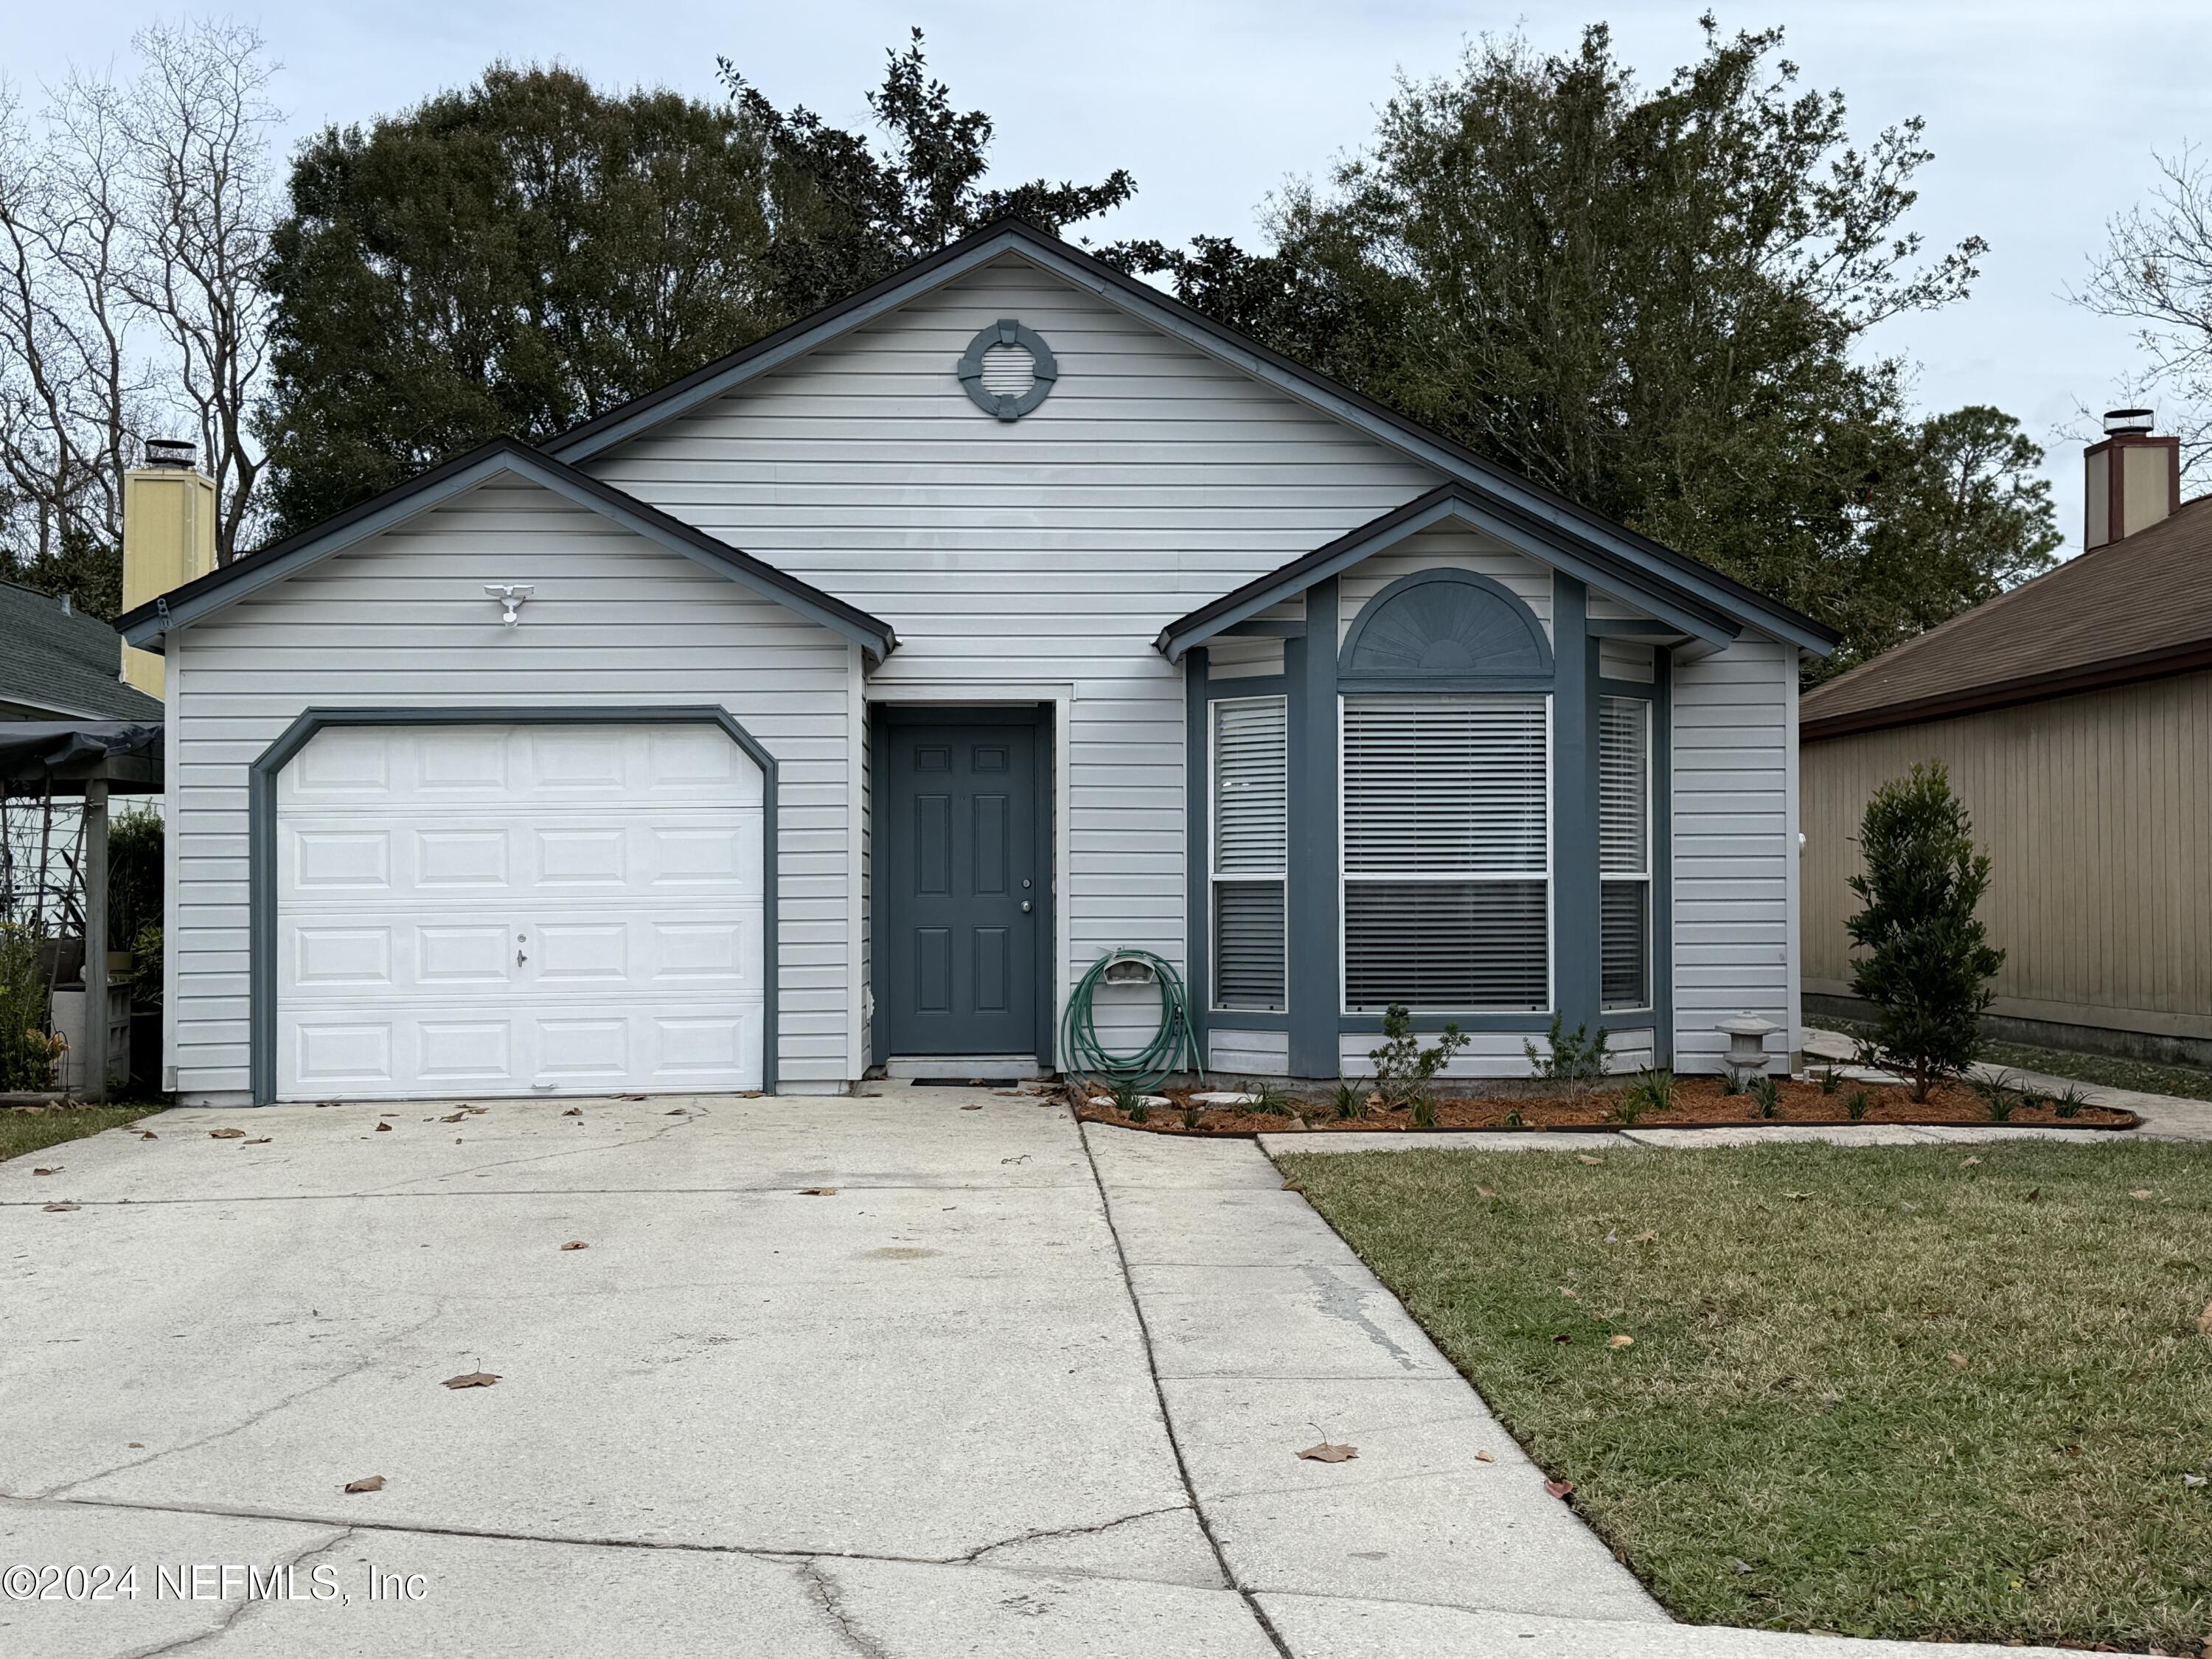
(62, 755)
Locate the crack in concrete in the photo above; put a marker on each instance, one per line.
(981, 1550)
(222, 1625)
(823, 1591)
(402, 1190)
(1167, 1416)
(383, 1344)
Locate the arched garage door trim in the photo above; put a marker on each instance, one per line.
(261, 842)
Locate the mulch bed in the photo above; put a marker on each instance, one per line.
(1700, 1103)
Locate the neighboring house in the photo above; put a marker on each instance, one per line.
(2074, 716)
(842, 703)
(58, 664)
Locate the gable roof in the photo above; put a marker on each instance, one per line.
(500, 457)
(2131, 610)
(63, 662)
(1686, 612)
(1532, 506)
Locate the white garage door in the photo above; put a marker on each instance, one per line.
(518, 910)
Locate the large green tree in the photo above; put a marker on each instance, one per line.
(1656, 301)
(529, 251)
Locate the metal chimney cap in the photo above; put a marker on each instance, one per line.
(172, 452)
(2130, 420)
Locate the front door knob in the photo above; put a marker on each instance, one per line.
(1025, 906)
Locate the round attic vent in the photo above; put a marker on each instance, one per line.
(1008, 370)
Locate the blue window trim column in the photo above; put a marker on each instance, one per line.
(1316, 997)
(1575, 996)
(1198, 809)
(1658, 691)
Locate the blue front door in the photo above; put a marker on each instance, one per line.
(960, 876)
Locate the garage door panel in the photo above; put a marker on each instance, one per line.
(519, 910)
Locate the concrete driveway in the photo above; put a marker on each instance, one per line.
(1006, 1391)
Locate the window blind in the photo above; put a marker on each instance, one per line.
(1624, 764)
(1447, 853)
(1251, 852)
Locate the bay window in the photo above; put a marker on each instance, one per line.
(1447, 852)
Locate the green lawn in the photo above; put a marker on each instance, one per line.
(1882, 1391)
(21, 1132)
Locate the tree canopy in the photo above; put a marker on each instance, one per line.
(528, 252)
(1656, 302)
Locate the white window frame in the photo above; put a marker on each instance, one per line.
(1345, 876)
(1215, 878)
(1604, 875)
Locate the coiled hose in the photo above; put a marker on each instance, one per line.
(1145, 1068)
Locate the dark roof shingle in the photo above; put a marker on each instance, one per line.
(64, 662)
(2133, 609)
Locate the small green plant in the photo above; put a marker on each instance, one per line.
(1829, 1079)
(1998, 1094)
(1269, 1100)
(1405, 1072)
(1653, 1091)
(1766, 1094)
(1140, 1113)
(1192, 1116)
(1574, 1062)
(1350, 1101)
(1854, 1105)
(2069, 1101)
(1127, 1097)
(1732, 1082)
(1513, 1120)
(26, 1052)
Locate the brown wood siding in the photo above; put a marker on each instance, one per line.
(2096, 811)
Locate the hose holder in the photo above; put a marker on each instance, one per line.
(1130, 970)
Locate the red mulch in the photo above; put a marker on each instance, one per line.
(1700, 1103)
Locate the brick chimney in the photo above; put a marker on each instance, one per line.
(2134, 478)
(168, 537)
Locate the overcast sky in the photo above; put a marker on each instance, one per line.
(2043, 115)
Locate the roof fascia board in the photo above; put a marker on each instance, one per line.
(1554, 549)
(875, 638)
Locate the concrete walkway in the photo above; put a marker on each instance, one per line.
(1013, 1387)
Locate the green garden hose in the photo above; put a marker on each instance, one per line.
(1172, 1042)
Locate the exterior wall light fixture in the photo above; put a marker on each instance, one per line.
(512, 595)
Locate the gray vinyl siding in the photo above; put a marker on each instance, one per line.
(402, 621)
(1735, 847)
(1049, 551)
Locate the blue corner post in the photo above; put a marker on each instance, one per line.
(1316, 997)
(1574, 975)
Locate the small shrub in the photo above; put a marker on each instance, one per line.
(1766, 1094)
(1653, 1091)
(1928, 961)
(1855, 1106)
(1127, 1098)
(1192, 1117)
(1732, 1082)
(1271, 1101)
(1139, 1113)
(2069, 1101)
(1405, 1072)
(1513, 1120)
(1575, 1063)
(1351, 1101)
(27, 1052)
(1999, 1096)
(1829, 1079)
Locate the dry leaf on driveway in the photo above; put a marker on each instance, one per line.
(817, 1192)
(573, 1111)
(1484, 1457)
(472, 1380)
(382, 1126)
(367, 1483)
(55, 1209)
(147, 1134)
(56, 1169)
(226, 1135)
(258, 1141)
(575, 1244)
(1620, 1340)
(1324, 1453)
(1560, 1488)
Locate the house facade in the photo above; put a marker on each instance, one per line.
(840, 704)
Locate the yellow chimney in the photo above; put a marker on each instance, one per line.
(168, 538)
